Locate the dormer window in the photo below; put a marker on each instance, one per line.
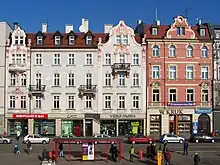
(19, 40)
(16, 40)
(125, 39)
(57, 40)
(180, 31)
(154, 31)
(39, 40)
(118, 39)
(202, 32)
(88, 40)
(71, 40)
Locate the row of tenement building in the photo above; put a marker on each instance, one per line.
(153, 80)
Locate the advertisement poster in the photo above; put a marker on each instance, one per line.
(91, 151)
(85, 151)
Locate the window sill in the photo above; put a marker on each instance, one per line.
(17, 86)
(38, 65)
(107, 86)
(121, 109)
(171, 56)
(136, 65)
(56, 65)
(172, 79)
(155, 78)
(71, 86)
(107, 109)
(38, 109)
(19, 109)
(54, 109)
(56, 86)
(135, 86)
(88, 65)
(135, 109)
(155, 56)
(71, 65)
(70, 109)
(121, 86)
(107, 65)
(88, 109)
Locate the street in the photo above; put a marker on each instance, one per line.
(209, 153)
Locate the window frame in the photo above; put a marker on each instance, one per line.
(190, 97)
(108, 80)
(56, 59)
(118, 39)
(121, 80)
(71, 59)
(38, 102)
(12, 102)
(125, 39)
(155, 95)
(38, 59)
(121, 102)
(189, 73)
(107, 102)
(121, 58)
(135, 102)
(23, 79)
(174, 95)
(155, 73)
(88, 102)
(180, 31)
(136, 80)
(57, 40)
(204, 52)
(171, 72)
(204, 95)
(202, 32)
(23, 102)
(71, 102)
(154, 31)
(71, 79)
(71, 40)
(39, 40)
(155, 51)
(136, 59)
(89, 60)
(172, 51)
(56, 102)
(204, 73)
(107, 59)
(56, 79)
(13, 79)
(89, 40)
(189, 51)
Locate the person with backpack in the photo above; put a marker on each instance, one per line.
(196, 159)
(167, 157)
(131, 152)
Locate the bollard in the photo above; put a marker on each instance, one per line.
(140, 155)
(159, 158)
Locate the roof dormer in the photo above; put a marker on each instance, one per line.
(202, 29)
(18, 35)
(71, 37)
(88, 38)
(57, 38)
(39, 38)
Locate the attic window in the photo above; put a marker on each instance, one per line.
(180, 31)
(16, 40)
(71, 40)
(125, 39)
(154, 31)
(88, 40)
(57, 40)
(19, 40)
(39, 40)
(202, 32)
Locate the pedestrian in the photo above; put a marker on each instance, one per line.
(111, 152)
(185, 147)
(18, 149)
(18, 134)
(131, 152)
(44, 154)
(164, 148)
(196, 159)
(115, 152)
(29, 147)
(167, 157)
(61, 149)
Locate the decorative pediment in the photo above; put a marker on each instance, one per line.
(204, 85)
(18, 32)
(57, 33)
(39, 33)
(120, 29)
(89, 33)
(180, 21)
(155, 84)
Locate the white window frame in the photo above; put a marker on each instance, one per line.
(88, 40)
(118, 39)
(23, 79)
(121, 102)
(204, 75)
(24, 59)
(189, 72)
(125, 40)
(71, 40)
(88, 102)
(204, 95)
(18, 59)
(172, 72)
(71, 102)
(56, 59)
(107, 59)
(16, 42)
(189, 95)
(89, 59)
(38, 59)
(136, 59)
(172, 51)
(202, 32)
(71, 80)
(172, 95)
(155, 72)
(57, 40)
(204, 52)
(12, 102)
(189, 51)
(38, 102)
(108, 79)
(88, 79)
(38, 80)
(136, 80)
(56, 102)
(155, 51)
(107, 102)
(121, 80)
(135, 102)
(39, 40)
(21, 40)
(155, 95)
(154, 31)
(13, 79)
(71, 59)
(23, 104)
(56, 79)
(180, 31)
(121, 58)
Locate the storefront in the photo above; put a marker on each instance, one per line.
(14, 125)
(155, 125)
(44, 127)
(108, 127)
(74, 127)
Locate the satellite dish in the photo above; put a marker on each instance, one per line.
(81, 28)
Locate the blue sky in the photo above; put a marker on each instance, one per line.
(31, 13)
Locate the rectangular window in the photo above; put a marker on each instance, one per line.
(71, 40)
(154, 31)
(202, 32)
(190, 95)
(23, 102)
(71, 79)
(122, 58)
(135, 102)
(125, 39)
(107, 59)
(71, 59)
(21, 40)
(205, 72)
(23, 79)
(38, 80)
(88, 102)
(180, 30)
(118, 39)
(172, 72)
(16, 40)
(107, 102)
(38, 102)
(71, 102)
(56, 79)
(155, 72)
(13, 78)
(39, 40)
(88, 59)
(56, 59)
(156, 95)
(18, 59)
(135, 59)
(121, 80)
(56, 102)
(38, 59)
(121, 102)
(57, 40)
(205, 96)
(88, 40)
(189, 72)
(108, 79)
(24, 59)
(172, 95)
(12, 102)
(136, 79)
(88, 79)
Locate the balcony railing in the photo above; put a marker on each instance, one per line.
(121, 67)
(37, 88)
(87, 90)
(17, 67)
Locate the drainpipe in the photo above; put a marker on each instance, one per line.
(6, 72)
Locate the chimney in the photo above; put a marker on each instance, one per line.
(200, 22)
(68, 28)
(107, 28)
(139, 22)
(158, 22)
(85, 25)
(15, 25)
(44, 28)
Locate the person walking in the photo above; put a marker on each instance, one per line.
(115, 151)
(18, 134)
(111, 152)
(167, 157)
(164, 148)
(196, 159)
(61, 149)
(131, 152)
(29, 147)
(185, 147)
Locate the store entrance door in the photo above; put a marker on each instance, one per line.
(88, 128)
(204, 124)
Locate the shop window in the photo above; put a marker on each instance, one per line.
(108, 127)
(155, 125)
(44, 127)
(72, 127)
(184, 125)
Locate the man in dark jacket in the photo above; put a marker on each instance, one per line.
(61, 149)
(111, 151)
(196, 159)
(44, 154)
(115, 152)
(185, 148)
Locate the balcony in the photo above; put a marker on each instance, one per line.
(121, 68)
(37, 90)
(17, 68)
(87, 90)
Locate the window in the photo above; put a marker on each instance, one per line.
(121, 80)
(23, 79)
(204, 52)
(172, 95)
(71, 102)
(12, 102)
(189, 72)
(56, 59)
(125, 39)
(154, 31)
(38, 80)
(23, 102)
(16, 40)
(88, 40)
(118, 39)
(16, 59)
(71, 59)
(172, 72)
(190, 95)
(13, 78)
(202, 32)
(38, 59)
(21, 40)
(38, 102)
(71, 40)
(39, 40)
(135, 59)
(107, 59)
(24, 59)
(88, 59)
(155, 51)
(180, 30)
(71, 79)
(57, 40)
(189, 51)
(172, 50)
(88, 79)
(121, 58)
(56, 79)
(155, 72)
(107, 102)
(56, 102)
(135, 79)
(156, 95)
(205, 95)
(121, 102)
(108, 79)
(205, 71)
(135, 102)
(88, 102)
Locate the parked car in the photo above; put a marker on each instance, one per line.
(202, 138)
(101, 136)
(67, 136)
(5, 140)
(35, 138)
(141, 139)
(172, 138)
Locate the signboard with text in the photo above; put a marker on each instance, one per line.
(203, 110)
(30, 116)
(181, 104)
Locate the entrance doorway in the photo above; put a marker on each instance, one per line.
(88, 127)
(204, 124)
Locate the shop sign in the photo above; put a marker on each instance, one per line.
(181, 104)
(124, 116)
(72, 116)
(30, 116)
(203, 110)
(171, 111)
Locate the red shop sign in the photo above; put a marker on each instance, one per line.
(30, 116)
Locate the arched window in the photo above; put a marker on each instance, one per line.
(189, 51)
(172, 50)
(155, 51)
(204, 52)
